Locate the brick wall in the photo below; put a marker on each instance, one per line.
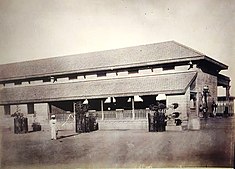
(6, 122)
(41, 112)
(123, 124)
(205, 79)
(182, 100)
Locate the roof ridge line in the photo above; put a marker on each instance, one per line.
(82, 53)
(187, 47)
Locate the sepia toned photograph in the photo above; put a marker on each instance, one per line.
(117, 84)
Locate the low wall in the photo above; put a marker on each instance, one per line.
(123, 124)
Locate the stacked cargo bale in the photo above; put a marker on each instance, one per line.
(156, 118)
(85, 122)
(20, 124)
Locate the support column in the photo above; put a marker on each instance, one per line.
(133, 108)
(227, 99)
(74, 116)
(197, 103)
(102, 109)
(48, 112)
(227, 95)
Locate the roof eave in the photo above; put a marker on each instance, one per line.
(174, 92)
(109, 68)
(219, 64)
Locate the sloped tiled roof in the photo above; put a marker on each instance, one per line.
(150, 54)
(171, 83)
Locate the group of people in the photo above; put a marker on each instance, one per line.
(204, 110)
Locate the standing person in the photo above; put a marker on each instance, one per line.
(53, 127)
(201, 110)
(214, 106)
(205, 112)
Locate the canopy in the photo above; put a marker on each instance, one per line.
(171, 83)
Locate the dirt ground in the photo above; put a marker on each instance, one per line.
(212, 146)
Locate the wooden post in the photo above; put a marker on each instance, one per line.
(102, 109)
(74, 116)
(227, 99)
(133, 108)
(227, 95)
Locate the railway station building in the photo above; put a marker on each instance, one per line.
(118, 85)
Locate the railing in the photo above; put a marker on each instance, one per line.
(122, 114)
(141, 114)
(110, 115)
(221, 108)
(127, 114)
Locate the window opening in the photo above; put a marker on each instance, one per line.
(46, 80)
(133, 71)
(7, 110)
(18, 83)
(72, 77)
(30, 108)
(101, 74)
(169, 68)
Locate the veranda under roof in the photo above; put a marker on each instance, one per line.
(171, 83)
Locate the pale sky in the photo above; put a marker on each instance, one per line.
(34, 29)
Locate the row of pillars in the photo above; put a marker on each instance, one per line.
(102, 108)
(132, 108)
